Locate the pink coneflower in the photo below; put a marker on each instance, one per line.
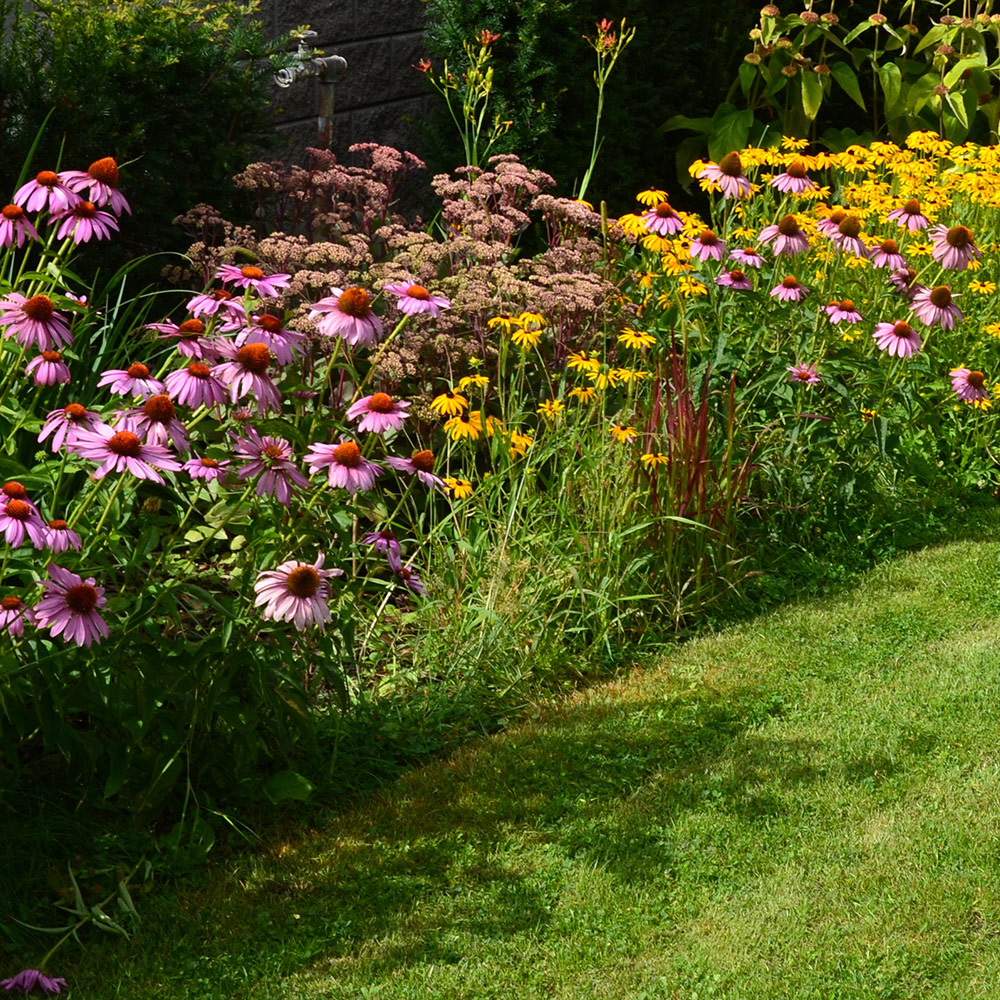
(789, 290)
(69, 607)
(269, 458)
(135, 380)
(19, 518)
(407, 576)
(662, 220)
(830, 226)
(46, 191)
(269, 330)
(213, 301)
(953, 248)
(15, 227)
(253, 278)
(100, 181)
(909, 217)
(787, 237)
(707, 246)
(59, 537)
(28, 980)
(13, 614)
(296, 592)
(195, 386)
(190, 337)
(347, 314)
(385, 541)
(123, 451)
(848, 238)
(936, 305)
(156, 422)
(899, 339)
(206, 468)
(85, 222)
(346, 466)
(904, 281)
(794, 180)
(969, 385)
(728, 174)
(748, 257)
(803, 374)
(379, 413)
(34, 322)
(64, 423)
(413, 299)
(886, 254)
(48, 368)
(420, 464)
(842, 312)
(247, 372)
(734, 279)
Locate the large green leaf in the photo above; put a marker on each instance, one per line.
(848, 80)
(729, 131)
(287, 785)
(812, 94)
(892, 84)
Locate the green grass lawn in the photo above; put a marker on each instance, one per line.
(804, 806)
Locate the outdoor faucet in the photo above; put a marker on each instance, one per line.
(328, 69)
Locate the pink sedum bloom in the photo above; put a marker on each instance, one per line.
(346, 466)
(969, 385)
(34, 322)
(69, 607)
(379, 413)
(909, 217)
(728, 174)
(899, 339)
(955, 248)
(46, 191)
(48, 368)
(269, 459)
(347, 313)
(15, 227)
(63, 424)
(296, 592)
(934, 306)
(414, 299)
(136, 380)
(13, 614)
(100, 181)
(789, 290)
(124, 451)
(803, 375)
(254, 278)
(85, 222)
(707, 246)
(19, 520)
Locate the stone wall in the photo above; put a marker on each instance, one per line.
(381, 98)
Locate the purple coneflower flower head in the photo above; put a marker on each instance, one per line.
(794, 180)
(34, 322)
(296, 592)
(748, 257)
(156, 422)
(20, 519)
(13, 614)
(789, 290)
(46, 191)
(247, 372)
(909, 217)
(803, 374)
(420, 464)
(63, 424)
(707, 246)
(100, 181)
(13, 490)
(969, 385)
(407, 576)
(270, 459)
(842, 312)
(734, 279)
(413, 299)
(830, 226)
(48, 368)
(379, 413)
(85, 222)
(728, 174)
(787, 237)
(15, 227)
(848, 238)
(953, 248)
(69, 607)
(196, 386)
(59, 537)
(936, 305)
(662, 220)
(899, 339)
(385, 541)
(190, 337)
(253, 278)
(214, 301)
(28, 980)
(123, 451)
(269, 330)
(904, 281)
(135, 380)
(886, 254)
(348, 314)
(206, 468)
(345, 465)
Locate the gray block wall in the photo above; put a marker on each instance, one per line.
(381, 98)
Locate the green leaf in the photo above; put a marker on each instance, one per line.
(729, 131)
(682, 121)
(812, 94)
(854, 32)
(932, 37)
(747, 74)
(892, 84)
(951, 77)
(287, 785)
(848, 81)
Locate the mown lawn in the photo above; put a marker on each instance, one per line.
(805, 806)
